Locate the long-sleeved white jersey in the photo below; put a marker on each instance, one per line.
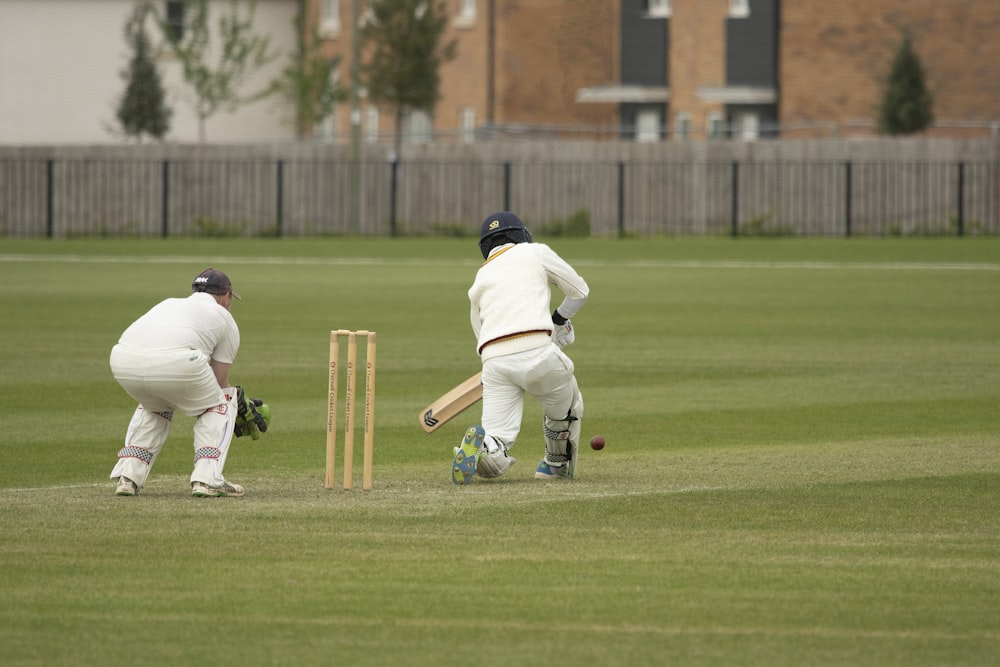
(510, 297)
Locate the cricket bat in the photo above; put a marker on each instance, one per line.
(453, 403)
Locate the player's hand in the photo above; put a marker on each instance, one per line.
(562, 334)
(253, 415)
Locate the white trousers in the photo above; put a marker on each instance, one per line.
(164, 382)
(544, 372)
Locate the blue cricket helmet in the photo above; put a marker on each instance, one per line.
(502, 228)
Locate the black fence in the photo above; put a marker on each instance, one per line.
(59, 198)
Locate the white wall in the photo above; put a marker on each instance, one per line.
(60, 74)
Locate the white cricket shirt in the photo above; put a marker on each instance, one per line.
(196, 322)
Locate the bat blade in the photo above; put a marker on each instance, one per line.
(451, 404)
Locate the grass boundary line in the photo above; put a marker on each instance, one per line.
(634, 264)
(828, 632)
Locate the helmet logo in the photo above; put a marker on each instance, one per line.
(494, 224)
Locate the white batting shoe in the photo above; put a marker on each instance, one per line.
(126, 487)
(202, 490)
(233, 489)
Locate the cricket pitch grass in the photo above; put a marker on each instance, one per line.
(802, 463)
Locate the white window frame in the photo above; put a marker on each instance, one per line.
(648, 126)
(468, 125)
(657, 9)
(329, 17)
(327, 130)
(327, 127)
(367, 17)
(682, 126)
(748, 125)
(418, 127)
(466, 16)
(371, 125)
(739, 9)
(714, 125)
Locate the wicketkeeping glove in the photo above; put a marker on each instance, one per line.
(253, 415)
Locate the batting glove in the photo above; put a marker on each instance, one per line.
(562, 334)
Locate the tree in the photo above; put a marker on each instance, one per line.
(142, 108)
(306, 82)
(403, 39)
(240, 54)
(906, 106)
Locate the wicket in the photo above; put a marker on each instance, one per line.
(349, 409)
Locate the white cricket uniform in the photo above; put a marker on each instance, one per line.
(512, 321)
(162, 361)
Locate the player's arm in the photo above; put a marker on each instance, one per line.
(569, 282)
(225, 348)
(221, 371)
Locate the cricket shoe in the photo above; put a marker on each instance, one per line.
(202, 490)
(233, 489)
(126, 487)
(463, 467)
(547, 471)
(565, 470)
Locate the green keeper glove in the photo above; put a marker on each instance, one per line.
(252, 415)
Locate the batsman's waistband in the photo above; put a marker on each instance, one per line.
(518, 342)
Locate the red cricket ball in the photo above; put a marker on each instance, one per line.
(597, 443)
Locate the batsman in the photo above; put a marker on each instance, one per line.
(520, 344)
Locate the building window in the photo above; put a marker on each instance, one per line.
(468, 125)
(175, 19)
(656, 9)
(647, 125)
(713, 125)
(328, 125)
(417, 127)
(466, 14)
(327, 130)
(329, 17)
(748, 126)
(682, 126)
(371, 125)
(739, 9)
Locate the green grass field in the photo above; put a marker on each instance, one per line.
(802, 464)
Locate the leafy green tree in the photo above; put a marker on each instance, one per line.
(307, 81)
(403, 40)
(240, 54)
(142, 108)
(907, 104)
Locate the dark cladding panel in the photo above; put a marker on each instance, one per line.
(752, 46)
(644, 46)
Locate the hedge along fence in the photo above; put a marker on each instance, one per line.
(691, 191)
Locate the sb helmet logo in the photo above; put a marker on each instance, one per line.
(495, 224)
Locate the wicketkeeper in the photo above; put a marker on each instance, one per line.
(176, 357)
(520, 345)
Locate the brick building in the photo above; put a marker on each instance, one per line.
(654, 69)
(834, 57)
(519, 65)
